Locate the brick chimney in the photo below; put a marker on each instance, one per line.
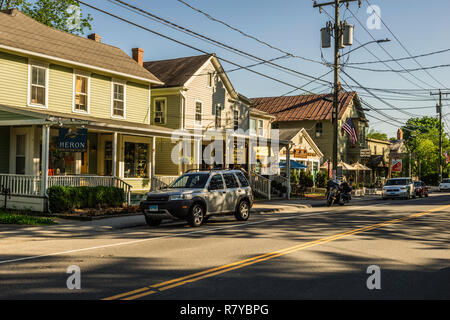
(399, 134)
(138, 55)
(95, 37)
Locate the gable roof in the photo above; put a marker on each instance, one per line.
(176, 72)
(304, 107)
(290, 133)
(21, 33)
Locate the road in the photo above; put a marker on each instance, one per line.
(314, 253)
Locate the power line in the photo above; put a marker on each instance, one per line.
(407, 51)
(221, 44)
(246, 34)
(400, 59)
(190, 46)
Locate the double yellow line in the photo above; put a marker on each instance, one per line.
(145, 291)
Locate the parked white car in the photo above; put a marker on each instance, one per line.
(398, 188)
(444, 185)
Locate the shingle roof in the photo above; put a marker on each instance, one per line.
(303, 107)
(175, 72)
(19, 31)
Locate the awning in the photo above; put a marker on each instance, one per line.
(360, 167)
(293, 164)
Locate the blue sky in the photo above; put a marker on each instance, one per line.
(294, 26)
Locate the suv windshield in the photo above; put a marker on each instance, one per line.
(446, 181)
(397, 182)
(197, 180)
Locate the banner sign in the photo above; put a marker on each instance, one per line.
(396, 165)
(72, 139)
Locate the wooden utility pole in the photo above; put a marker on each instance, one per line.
(439, 111)
(337, 38)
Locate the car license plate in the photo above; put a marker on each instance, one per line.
(153, 207)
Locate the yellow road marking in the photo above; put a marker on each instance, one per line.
(135, 294)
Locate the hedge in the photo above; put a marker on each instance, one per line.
(63, 199)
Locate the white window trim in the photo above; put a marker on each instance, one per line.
(43, 65)
(88, 100)
(238, 118)
(250, 127)
(195, 115)
(258, 127)
(165, 110)
(124, 83)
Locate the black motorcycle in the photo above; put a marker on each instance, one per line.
(339, 193)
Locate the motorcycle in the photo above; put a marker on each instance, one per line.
(338, 193)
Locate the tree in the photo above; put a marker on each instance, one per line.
(422, 139)
(64, 15)
(372, 134)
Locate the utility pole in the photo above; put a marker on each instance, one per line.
(338, 32)
(439, 111)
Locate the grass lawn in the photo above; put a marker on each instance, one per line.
(19, 218)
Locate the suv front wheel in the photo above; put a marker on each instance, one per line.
(242, 211)
(196, 216)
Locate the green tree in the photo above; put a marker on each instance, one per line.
(422, 139)
(64, 15)
(372, 134)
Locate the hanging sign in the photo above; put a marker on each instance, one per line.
(72, 139)
(396, 165)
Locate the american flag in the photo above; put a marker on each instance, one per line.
(350, 129)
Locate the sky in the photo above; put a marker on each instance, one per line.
(294, 27)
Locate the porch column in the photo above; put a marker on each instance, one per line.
(153, 173)
(44, 166)
(114, 155)
(288, 171)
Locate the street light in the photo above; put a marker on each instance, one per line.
(377, 41)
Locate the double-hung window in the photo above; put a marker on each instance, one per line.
(118, 103)
(261, 127)
(160, 111)
(209, 80)
(252, 126)
(198, 112)
(38, 85)
(235, 120)
(218, 114)
(81, 93)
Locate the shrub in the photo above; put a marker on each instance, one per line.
(68, 198)
(321, 179)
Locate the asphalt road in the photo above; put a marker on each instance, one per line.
(315, 253)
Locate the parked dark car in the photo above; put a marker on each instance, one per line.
(420, 189)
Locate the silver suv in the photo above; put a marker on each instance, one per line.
(197, 195)
(399, 188)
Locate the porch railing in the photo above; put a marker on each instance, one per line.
(91, 181)
(19, 184)
(159, 182)
(260, 184)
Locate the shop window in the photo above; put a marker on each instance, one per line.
(136, 160)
